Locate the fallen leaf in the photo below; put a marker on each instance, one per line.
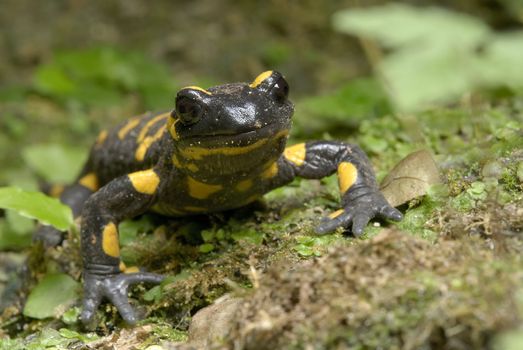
(410, 178)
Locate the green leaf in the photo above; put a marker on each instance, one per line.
(52, 80)
(502, 61)
(55, 163)
(396, 25)
(54, 292)
(438, 55)
(36, 205)
(417, 78)
(206, 248)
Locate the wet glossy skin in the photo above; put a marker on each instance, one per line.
(220, 149)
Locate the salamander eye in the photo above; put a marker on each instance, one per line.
(188, 110)
(280, 90)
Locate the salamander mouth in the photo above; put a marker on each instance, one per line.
(242, 139)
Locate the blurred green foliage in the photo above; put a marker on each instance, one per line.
(101, 76)
(437, 55)
(45, 159)
(347, 106)
(66, 94)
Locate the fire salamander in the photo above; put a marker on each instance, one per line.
(220, 149)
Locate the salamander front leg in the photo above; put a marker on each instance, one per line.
(104, 276)
(358, 210)
(361, 199)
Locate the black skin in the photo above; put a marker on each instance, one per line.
(220, 149)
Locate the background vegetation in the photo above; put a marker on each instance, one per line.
(393, 78)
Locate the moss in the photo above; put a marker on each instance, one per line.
(162, 331)
(395, 290)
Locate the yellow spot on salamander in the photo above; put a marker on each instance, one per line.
(102, 136)
(150, 124)
(260, 79)
(200, 190)
(200, 152)
(336, 214)
(295, 154)
(244, 185)
(197, 88)
(130, 269)
(176, 162)
(89, 181)
(131, 124)
(145, 181)
(193, 209)
(172, 129)
(110, 244)
(347, 175)
(171, 120)
(144, 141)
(271, 171)
(144, 146)
(191, 166)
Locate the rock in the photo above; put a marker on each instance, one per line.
(213, 322)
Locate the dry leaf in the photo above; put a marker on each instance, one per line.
(410, 178)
